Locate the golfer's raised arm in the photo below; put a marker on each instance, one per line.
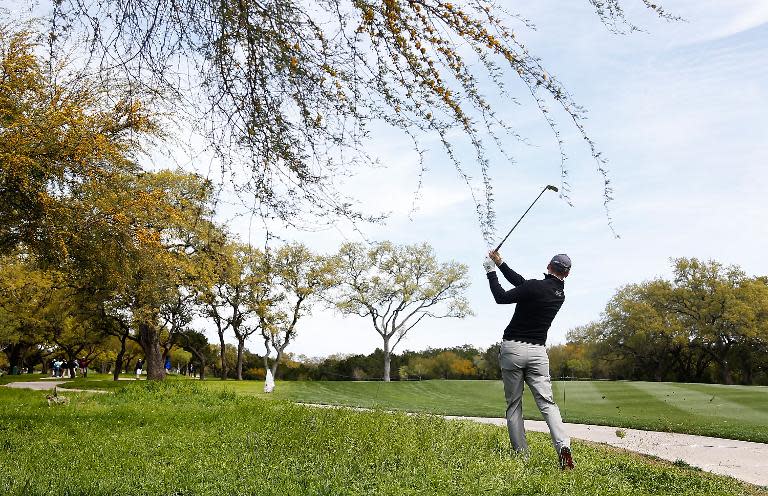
(510, 275)
(514, 295)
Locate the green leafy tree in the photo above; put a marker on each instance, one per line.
(231, 300)
(196, 343)
(291, 281)
(709, 317)
(721, 307)
(141, 248)
(26, 294)
(60, 130)
(397, 287)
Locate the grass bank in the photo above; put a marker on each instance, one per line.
(180, 438)
(734, 412)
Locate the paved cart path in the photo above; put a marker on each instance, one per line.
(739, 459)
(46, 385)
(742, 460)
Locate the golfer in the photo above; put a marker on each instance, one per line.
(523, 356)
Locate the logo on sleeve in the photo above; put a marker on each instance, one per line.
(559, 293)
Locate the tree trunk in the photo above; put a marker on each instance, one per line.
(202, 370)
(279, 355)
(387, 359)
(149, 338)
(223, 358)
(14, 357)
(275, 364)
(727, 377)
(240, 347)
(119, 358)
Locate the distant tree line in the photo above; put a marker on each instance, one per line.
(460, 362)
(708, 324)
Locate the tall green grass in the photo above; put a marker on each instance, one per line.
(180, 438)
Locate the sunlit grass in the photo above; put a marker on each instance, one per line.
(180, 438)
(736, 412)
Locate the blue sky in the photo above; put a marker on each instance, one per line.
(679, 110)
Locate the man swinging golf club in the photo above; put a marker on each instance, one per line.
(523, 356)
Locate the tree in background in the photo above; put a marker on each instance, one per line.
(488, 365)
(693, 328)
(140, 246)
(569, 361)
(232, 297)
(397, 287)
(196, 343)
(26, 293)
(721, 307)
(212, 295)
(292, 281)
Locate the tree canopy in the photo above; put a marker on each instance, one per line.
(709, 323)
(288, 92)
(60, 132)
(396, 287)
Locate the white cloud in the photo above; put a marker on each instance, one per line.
(736, 16)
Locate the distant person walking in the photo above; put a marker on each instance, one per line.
(139, 365)
(523, 357)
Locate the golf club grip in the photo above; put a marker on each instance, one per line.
(521, 217)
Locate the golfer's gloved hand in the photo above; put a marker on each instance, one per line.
(496, 257)
(489, 265)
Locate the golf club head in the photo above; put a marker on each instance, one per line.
(553, 188)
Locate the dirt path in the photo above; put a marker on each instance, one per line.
(36, 385)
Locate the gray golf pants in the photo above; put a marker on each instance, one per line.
(529, 362)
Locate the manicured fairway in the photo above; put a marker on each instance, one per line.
(736, 412)
(179, 438)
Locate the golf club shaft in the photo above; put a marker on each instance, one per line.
(521, 217)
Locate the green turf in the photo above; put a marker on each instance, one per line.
(178, 438)
(736, 412)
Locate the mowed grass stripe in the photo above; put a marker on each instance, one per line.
(704, 403)
(622, 404)
(739, 399)
(579, 399)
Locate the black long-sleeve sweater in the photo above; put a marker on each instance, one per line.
(538, 301)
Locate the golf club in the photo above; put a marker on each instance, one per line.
(549, 186)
